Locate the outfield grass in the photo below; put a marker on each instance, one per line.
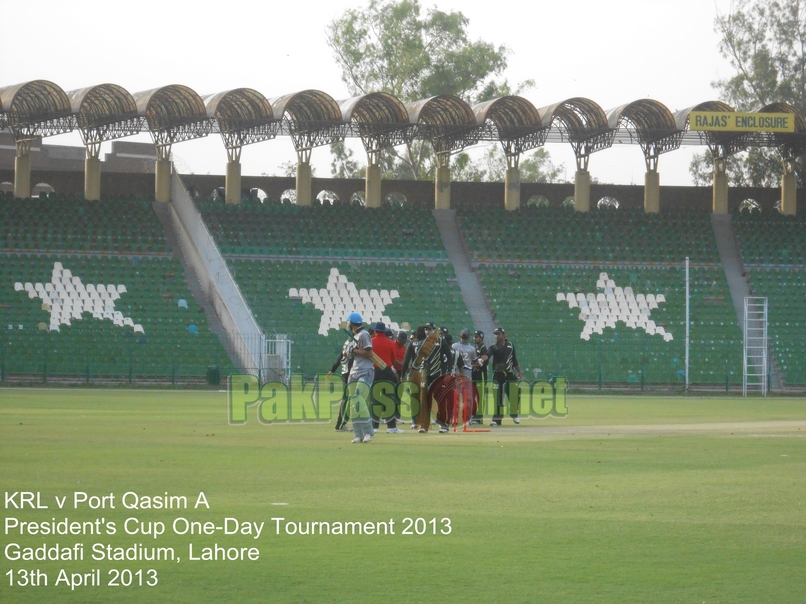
(625, 500)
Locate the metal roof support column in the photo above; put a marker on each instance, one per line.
(789, 189)
(582, 191)
(372, 186)
(720, 196)
(304, 177)
(22, 172)
(512, 189)
(244, 116)
(31, 110)
(104, 112)
(516, 124)
(652, 192)
(442, 182)
(162, 180)
(313, 119)
(232, 182)
(720, 186)
(653, 126)
(92, 178)
(174, 114)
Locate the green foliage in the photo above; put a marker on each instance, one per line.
(391, 46)
(757, 167)
(765, 42)
(343, 164)
(492, 167)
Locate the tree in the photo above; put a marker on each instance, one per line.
(390, 46)
(765, 42)
(492, 167)
(343, 164)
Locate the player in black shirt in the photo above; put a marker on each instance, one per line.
(479, 373)
(506, 373)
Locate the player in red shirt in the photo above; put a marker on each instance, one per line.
(384, 347)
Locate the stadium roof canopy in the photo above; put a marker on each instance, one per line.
(446, 121)
(311, 118)
(104, 112)
(380, 119)
(513, 121)
(582, 123)
(174, 114)
(244, 116)
(721, 144)
(36, 109)
(653, 125)
(790, 146)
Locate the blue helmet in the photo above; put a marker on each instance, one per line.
(355, 318)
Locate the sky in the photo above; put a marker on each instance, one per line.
(610, 52)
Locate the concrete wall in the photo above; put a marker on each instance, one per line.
(418, 192)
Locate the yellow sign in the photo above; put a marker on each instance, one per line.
(741, 122)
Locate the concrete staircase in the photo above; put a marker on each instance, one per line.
(163, 212)
(722, 224)
(472, 292)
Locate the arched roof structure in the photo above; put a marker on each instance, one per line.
(791, 146)
(721, 144)
(34, 109)
(311, 117)
(381, 120)
(244, 116)
(581, 122)
(653, 124)
(174, 114)
(104, 112)
(445, 120)
(514, 122)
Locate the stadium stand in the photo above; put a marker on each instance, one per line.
(551, 253)
(424, 293)
(301, 269)
(560, 234)
(548, 332)
(275, 228)
(69, 223)
(91, 290)
(773, 249)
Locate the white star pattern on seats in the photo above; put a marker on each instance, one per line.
(613, 304)
(341, 297)
(67, 298)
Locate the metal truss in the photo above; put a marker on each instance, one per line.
(446, 139)
(29, 131)
(94, 135)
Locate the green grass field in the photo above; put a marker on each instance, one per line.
(627, 499)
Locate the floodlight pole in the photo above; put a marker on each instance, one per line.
(688, 322)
